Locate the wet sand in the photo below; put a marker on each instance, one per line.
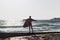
(41, 36)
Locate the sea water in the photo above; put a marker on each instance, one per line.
(38, 26)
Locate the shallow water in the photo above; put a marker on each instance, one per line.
(38, 26)
(26, 30)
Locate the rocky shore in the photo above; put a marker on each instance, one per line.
(49, 36)
(46, 36)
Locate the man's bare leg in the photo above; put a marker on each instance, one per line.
(32, 29)
(29, 29)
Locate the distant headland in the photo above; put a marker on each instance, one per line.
(56, 19)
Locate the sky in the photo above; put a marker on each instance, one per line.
(22, 9)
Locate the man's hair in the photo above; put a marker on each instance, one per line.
(30, 16)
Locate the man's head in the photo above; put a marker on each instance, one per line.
(29, 16)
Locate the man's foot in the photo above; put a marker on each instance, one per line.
(29, 31)
(32, 31)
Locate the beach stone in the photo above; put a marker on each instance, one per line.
(47, 36)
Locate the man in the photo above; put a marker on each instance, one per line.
(28, 23)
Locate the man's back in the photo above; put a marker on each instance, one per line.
(28, 22)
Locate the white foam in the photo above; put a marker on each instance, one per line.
(36, 29)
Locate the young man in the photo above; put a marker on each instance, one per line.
(28, 23)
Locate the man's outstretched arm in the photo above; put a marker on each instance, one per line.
(34, 20)
(24, 19)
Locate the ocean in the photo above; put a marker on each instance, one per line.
(38, 26)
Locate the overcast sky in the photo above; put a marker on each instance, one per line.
(21, 9)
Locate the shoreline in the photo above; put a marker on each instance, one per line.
(6, 35)
(37, 36)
